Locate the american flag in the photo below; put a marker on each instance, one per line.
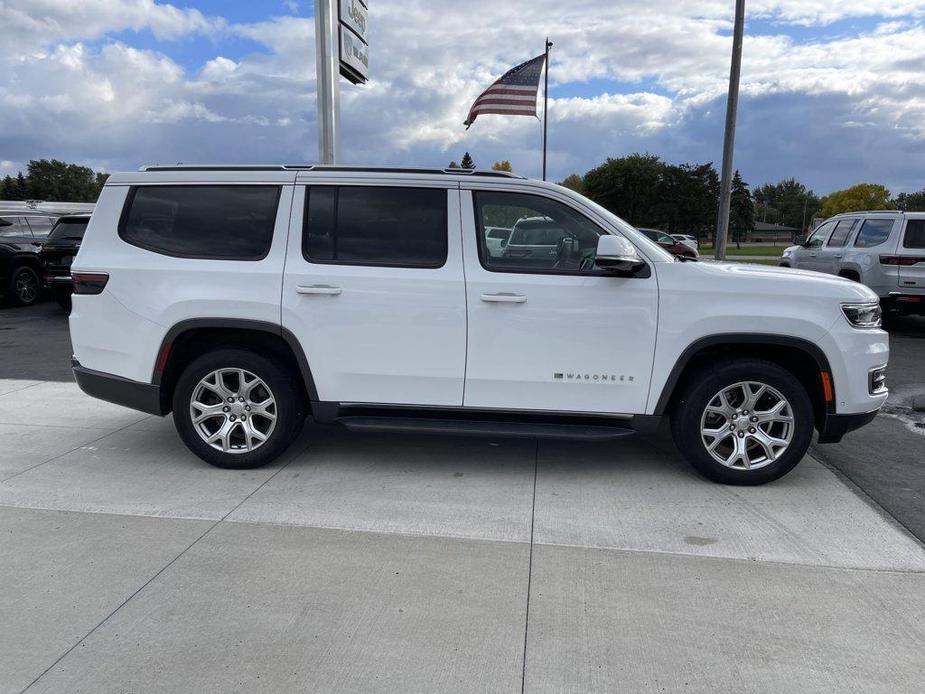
(513, 94)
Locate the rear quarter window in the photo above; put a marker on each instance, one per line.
(218, 222)
(873, 232)
(915, 234)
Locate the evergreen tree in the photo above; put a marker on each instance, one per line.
(467, 162)
(7, 189)
(741, 210)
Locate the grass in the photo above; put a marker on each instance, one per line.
(731, 250)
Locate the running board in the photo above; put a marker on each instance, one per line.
(468, 427)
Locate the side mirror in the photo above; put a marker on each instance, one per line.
(800, 240)
(617, 256)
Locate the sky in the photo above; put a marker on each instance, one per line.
(833, 93)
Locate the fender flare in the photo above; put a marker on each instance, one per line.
(183, 326)
(735, 339)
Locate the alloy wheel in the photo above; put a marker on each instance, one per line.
(26, 286)
(233, 410)
(747, 425)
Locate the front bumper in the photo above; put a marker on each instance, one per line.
(145, 397)
(835, 426)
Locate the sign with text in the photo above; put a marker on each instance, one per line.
(354, 42)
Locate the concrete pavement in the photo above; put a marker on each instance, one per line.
(369, 562)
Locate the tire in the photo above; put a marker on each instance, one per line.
(703, 390)
(238, 446)
(25, 286)
(63, 298)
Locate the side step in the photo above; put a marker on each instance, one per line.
(469, 427)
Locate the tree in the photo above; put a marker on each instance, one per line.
(467, 162)
(8, 189)
(788, 202)
(503, 165)
(628, 186)
(453, 165)
(573, 181)
(741, 210)
(910, 202)
(862, 196)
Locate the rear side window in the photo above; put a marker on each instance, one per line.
(915, 234)
(840, 235)
(40, 226)
(873, 232)
(363, 225)
(11, 227)
(220, 222)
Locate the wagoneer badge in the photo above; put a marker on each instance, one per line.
(593, 378)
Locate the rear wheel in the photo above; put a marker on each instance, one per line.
(25, 287)
(748, 422)
(236, 409)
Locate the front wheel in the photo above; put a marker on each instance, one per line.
(748, 422)
(237, 409)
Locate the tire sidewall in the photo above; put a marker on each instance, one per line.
(686, 421)
(290, 409)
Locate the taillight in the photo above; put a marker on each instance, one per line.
(900, 260)
(89, 282)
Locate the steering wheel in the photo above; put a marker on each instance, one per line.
(565, 249)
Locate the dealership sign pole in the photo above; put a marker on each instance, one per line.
(341, 48)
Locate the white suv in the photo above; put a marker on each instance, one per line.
(883, 250)
(244, 298)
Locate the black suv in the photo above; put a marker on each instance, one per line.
(21, 235)
(57, 253)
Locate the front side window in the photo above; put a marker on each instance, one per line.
(915, 234)
(818, 237)
(218, 222)
(546, 236)
(840, 235)
(873, 232)
(375, 225)
(11, 227)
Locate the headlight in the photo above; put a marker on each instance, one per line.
(862, 315)
(787, 252)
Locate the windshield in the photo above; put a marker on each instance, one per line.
(69, 230)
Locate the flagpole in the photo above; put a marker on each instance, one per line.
(546, 105)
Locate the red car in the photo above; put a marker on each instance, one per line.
(669, 244)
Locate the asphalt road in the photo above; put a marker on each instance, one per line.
(885, 459)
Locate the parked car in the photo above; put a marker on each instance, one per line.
(883, 250)
(21, 234)
(688, 240)
(496, 239)
(670, 244)
(243, 298)
(58, 252)
(534, 237)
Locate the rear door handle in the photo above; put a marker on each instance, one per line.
(319, 289)
(504, 298)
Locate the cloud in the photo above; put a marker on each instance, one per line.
(624, 77)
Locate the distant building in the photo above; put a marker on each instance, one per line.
(772, 233)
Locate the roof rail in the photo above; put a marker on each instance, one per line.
(871, 212)
(318, 167)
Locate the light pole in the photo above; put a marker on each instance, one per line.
(732, 102)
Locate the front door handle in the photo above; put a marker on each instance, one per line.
(838, 255)
(319, 289)
(504, 298)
